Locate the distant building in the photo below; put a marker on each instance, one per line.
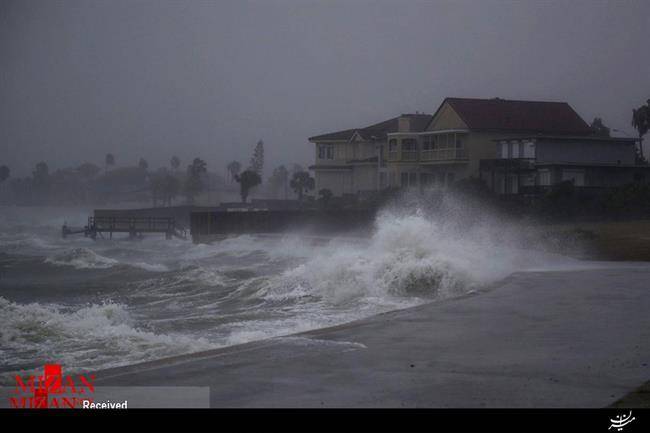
(514, 146)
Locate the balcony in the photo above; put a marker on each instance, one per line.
(409, 155)
(428, 155)
(444, 155)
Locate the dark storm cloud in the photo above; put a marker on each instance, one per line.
(156, 78)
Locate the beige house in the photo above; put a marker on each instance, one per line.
(348, 162)
(514, 146)
(464, 131)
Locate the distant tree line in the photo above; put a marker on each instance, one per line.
(89, 183)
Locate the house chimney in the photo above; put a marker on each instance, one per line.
(403, 124)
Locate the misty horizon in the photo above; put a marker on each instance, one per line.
(209, 79)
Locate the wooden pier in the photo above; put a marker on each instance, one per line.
(134, 226)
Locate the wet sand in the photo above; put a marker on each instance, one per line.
(540, 339)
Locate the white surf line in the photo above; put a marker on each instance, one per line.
(307, 341)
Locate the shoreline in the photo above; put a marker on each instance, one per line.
(520, 344)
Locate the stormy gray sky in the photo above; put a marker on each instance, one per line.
(209, 78)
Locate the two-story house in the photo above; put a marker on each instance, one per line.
(514, 146)
(462, 132)
(351, 162)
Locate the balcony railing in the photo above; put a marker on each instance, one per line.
(443, 154)
(428, 155)
(409, 155)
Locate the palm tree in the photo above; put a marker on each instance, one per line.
(599, 128)
(257, 161)
(247, 180)
(641, 122)
(109, 161)
(175, 163)
(302, 182)
(194, 183)
(4, 174)
(325, 196)
(233, 169)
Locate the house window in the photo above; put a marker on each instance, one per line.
(404, 180)
(575, 176)
(459, 142)
(325, 152)
(504, 149)
(426, 142)
(392, 145)
(514, 149)
(409, 149)
(409, 145)
(544, 177)
(529, 149)
(450, 178)
(512, 184)
(413, 179)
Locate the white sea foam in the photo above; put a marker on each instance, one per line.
(86, 258)
(81, 258)
(409, 257)
(92, 336)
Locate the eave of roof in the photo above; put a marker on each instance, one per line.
(343, 135)
(329, 167)
(377, 131)
(569, 138)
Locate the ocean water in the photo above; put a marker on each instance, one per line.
(90, 305)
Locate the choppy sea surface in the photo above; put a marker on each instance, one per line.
(90, 305)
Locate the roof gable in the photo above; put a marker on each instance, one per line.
(517, 116)
(446, 118)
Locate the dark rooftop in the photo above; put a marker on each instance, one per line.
(379, 130)
(519, 116)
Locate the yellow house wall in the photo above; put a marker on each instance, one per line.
(446, 118)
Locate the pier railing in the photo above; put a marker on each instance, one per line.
(135, 224)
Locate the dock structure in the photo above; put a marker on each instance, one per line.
(134, 226)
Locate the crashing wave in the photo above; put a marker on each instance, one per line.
(89, 337)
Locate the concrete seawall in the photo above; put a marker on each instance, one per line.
(576, 338)
(209, 225)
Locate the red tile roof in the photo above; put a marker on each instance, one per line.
(519, 116)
